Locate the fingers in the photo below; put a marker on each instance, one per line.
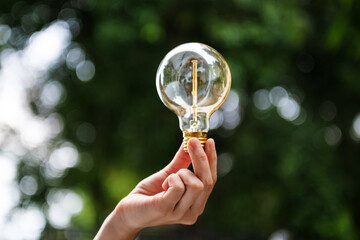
(175, 191)
(205, 166)
(186, 208)
(212, 157)
(186, 193)
(181, 160)
(193, 188)
(200, 162)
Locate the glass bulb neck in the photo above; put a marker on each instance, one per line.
(202, 136)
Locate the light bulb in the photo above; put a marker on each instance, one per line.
(193, 80)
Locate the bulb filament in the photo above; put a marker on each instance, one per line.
(195, 122)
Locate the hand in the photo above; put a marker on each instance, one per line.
(173, 195)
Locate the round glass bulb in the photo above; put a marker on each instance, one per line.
(193, 80)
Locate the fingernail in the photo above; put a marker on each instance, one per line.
(195, 143)
(212, 143)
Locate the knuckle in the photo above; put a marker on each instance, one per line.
(198, 185)
(202, 158)
(208, 182)
(183, 171)
(179, 187)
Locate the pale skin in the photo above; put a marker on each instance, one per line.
(174, 195)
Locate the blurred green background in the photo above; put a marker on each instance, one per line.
(287, 138)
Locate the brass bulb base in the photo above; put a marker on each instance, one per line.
(202, 136)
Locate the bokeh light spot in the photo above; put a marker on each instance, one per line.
(5, 33)
(55, 123)
(63, 204)
(230, 111)
(51, 94)
(232, 102)
(261, 99)
(281, 234)
(216, 120)
(60, 159)
(288, 109)
(231, 120)
(332, 135)
(28, 185)
(225, 164)
(276, 94)
(85, 70)
(355, 130)
(74, 57)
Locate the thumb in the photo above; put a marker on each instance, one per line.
(181, 160)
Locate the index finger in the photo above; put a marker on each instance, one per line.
(200, 162)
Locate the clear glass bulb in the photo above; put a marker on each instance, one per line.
(193, 80)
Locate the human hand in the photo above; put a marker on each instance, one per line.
(173, 195)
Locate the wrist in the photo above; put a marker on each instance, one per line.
(114, 227)
(125, 228)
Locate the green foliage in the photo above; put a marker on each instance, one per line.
(284, 175)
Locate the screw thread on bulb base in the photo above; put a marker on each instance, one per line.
(202, 136)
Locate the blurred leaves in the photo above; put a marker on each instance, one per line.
(283, 174)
